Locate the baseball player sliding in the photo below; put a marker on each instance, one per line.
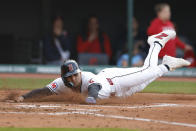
(119, 81)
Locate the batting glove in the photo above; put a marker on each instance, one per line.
(19, 99)
(90, 100)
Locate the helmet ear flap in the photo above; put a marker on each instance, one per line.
(68, 84)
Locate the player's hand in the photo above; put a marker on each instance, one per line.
(19, 99)
(90, 100)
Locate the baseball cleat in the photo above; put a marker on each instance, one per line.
(175, 63)
(162, 38)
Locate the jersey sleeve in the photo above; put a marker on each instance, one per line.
(57, 86)
(86, 80)
(102, 93)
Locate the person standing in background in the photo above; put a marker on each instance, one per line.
(94, 40)
(57, 45)
(162, 22)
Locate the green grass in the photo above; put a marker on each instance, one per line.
(155, 87)
(171, 87)
(64, 129)
(23, 83)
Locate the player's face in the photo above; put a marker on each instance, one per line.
(75, 79)
(165, 13)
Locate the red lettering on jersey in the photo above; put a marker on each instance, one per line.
(91, 81)
(161, 36)
(110, 81)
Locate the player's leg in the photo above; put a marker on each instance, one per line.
(135, 79)
(125, 90)
(143, 85)
(157, 42)
(127, 78)
(172, 63)
(133, 76)
(137, 88)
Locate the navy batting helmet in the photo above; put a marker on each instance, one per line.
(69, 68)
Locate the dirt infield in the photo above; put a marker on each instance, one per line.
(141, 111)
(146, 111)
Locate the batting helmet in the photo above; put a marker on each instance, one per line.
(69, 68)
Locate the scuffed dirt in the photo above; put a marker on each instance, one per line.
(75, 102)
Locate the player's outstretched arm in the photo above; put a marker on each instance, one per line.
(37, 93)
(93, 90)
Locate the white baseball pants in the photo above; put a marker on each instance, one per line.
(132, 80)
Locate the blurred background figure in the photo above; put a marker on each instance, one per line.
(93, 39)
(140, 47)
(162, 22)
(187, 54)
(57, 45)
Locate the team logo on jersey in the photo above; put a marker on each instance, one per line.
(70, 67)
(54, 85)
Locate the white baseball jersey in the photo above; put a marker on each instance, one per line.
(58, 86)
